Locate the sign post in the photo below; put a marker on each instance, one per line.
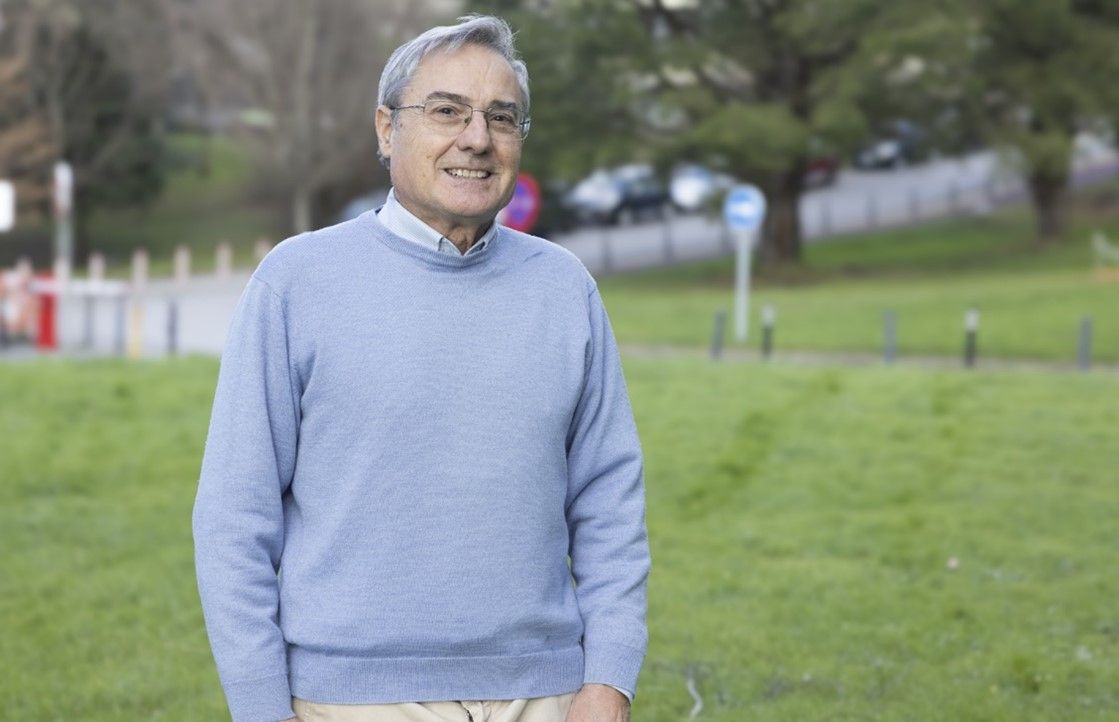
(744, 210)
(63, 204)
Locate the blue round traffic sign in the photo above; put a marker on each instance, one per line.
(744, 207)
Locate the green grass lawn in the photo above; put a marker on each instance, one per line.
(801, 522)
(1031, 300)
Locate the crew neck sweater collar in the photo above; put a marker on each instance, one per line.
(398, 219)
(427, 254)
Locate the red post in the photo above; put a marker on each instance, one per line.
(47, 337)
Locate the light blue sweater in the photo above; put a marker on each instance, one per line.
(405, 448)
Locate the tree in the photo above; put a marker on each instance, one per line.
(1045, 70)
(582, 94)
(759, 87)
(73, 88)
(26, 150)
(307, 72)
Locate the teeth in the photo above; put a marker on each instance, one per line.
(464, 173)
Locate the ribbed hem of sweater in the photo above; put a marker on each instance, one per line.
(334, 679)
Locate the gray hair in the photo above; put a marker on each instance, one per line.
(485, 30)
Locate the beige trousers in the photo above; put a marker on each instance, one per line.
(537, 709)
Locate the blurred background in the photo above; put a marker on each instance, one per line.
(893, 498)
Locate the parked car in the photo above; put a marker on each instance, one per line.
(821, 171)
(618, 195)
(901, 143)
(693, 187)
(555, 216)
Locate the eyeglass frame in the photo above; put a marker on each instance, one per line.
(524, 124)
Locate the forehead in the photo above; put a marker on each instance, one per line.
(478, 74)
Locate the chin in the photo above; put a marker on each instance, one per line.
(484, 212)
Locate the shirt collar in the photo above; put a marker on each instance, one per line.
(402, 222)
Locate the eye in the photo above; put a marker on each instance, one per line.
(445, 110)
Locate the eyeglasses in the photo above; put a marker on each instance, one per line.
(450, 117)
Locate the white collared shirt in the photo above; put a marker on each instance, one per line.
(400, 221)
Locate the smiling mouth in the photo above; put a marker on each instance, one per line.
(467, 173)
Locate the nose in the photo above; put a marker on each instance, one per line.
(475, 135)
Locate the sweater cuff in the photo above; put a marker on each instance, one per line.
(613, 664)
(260, 700)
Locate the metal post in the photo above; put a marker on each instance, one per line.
(825, 217)
(172, 327)
(63, 208)
(971, 337)
(769, 320)
(1084, 347)
(871, 212)
(717, 335)
(914, 204)
(742, 283)
(890, 337)
(669, 257)
(607, 256)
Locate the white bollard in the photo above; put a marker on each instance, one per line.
(261, 249)
(223, 260)
(136, 316)
(139, 270)
(96, 267)
(24, 269)
(182, 265)
(61, 269)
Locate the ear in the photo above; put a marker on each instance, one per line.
(382, 121)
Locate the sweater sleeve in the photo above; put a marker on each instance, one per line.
(238, 515)
(605, 511)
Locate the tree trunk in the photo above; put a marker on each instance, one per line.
(782, 226)
(1049, 192)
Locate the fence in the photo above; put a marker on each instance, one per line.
(871, 201)
(96, 316)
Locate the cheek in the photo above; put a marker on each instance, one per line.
(421, 156)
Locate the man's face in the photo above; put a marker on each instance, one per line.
(424, 159)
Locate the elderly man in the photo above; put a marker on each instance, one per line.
(422, 494)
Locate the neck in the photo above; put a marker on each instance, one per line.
(462, 236)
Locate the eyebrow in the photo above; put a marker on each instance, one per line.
(444, 95)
